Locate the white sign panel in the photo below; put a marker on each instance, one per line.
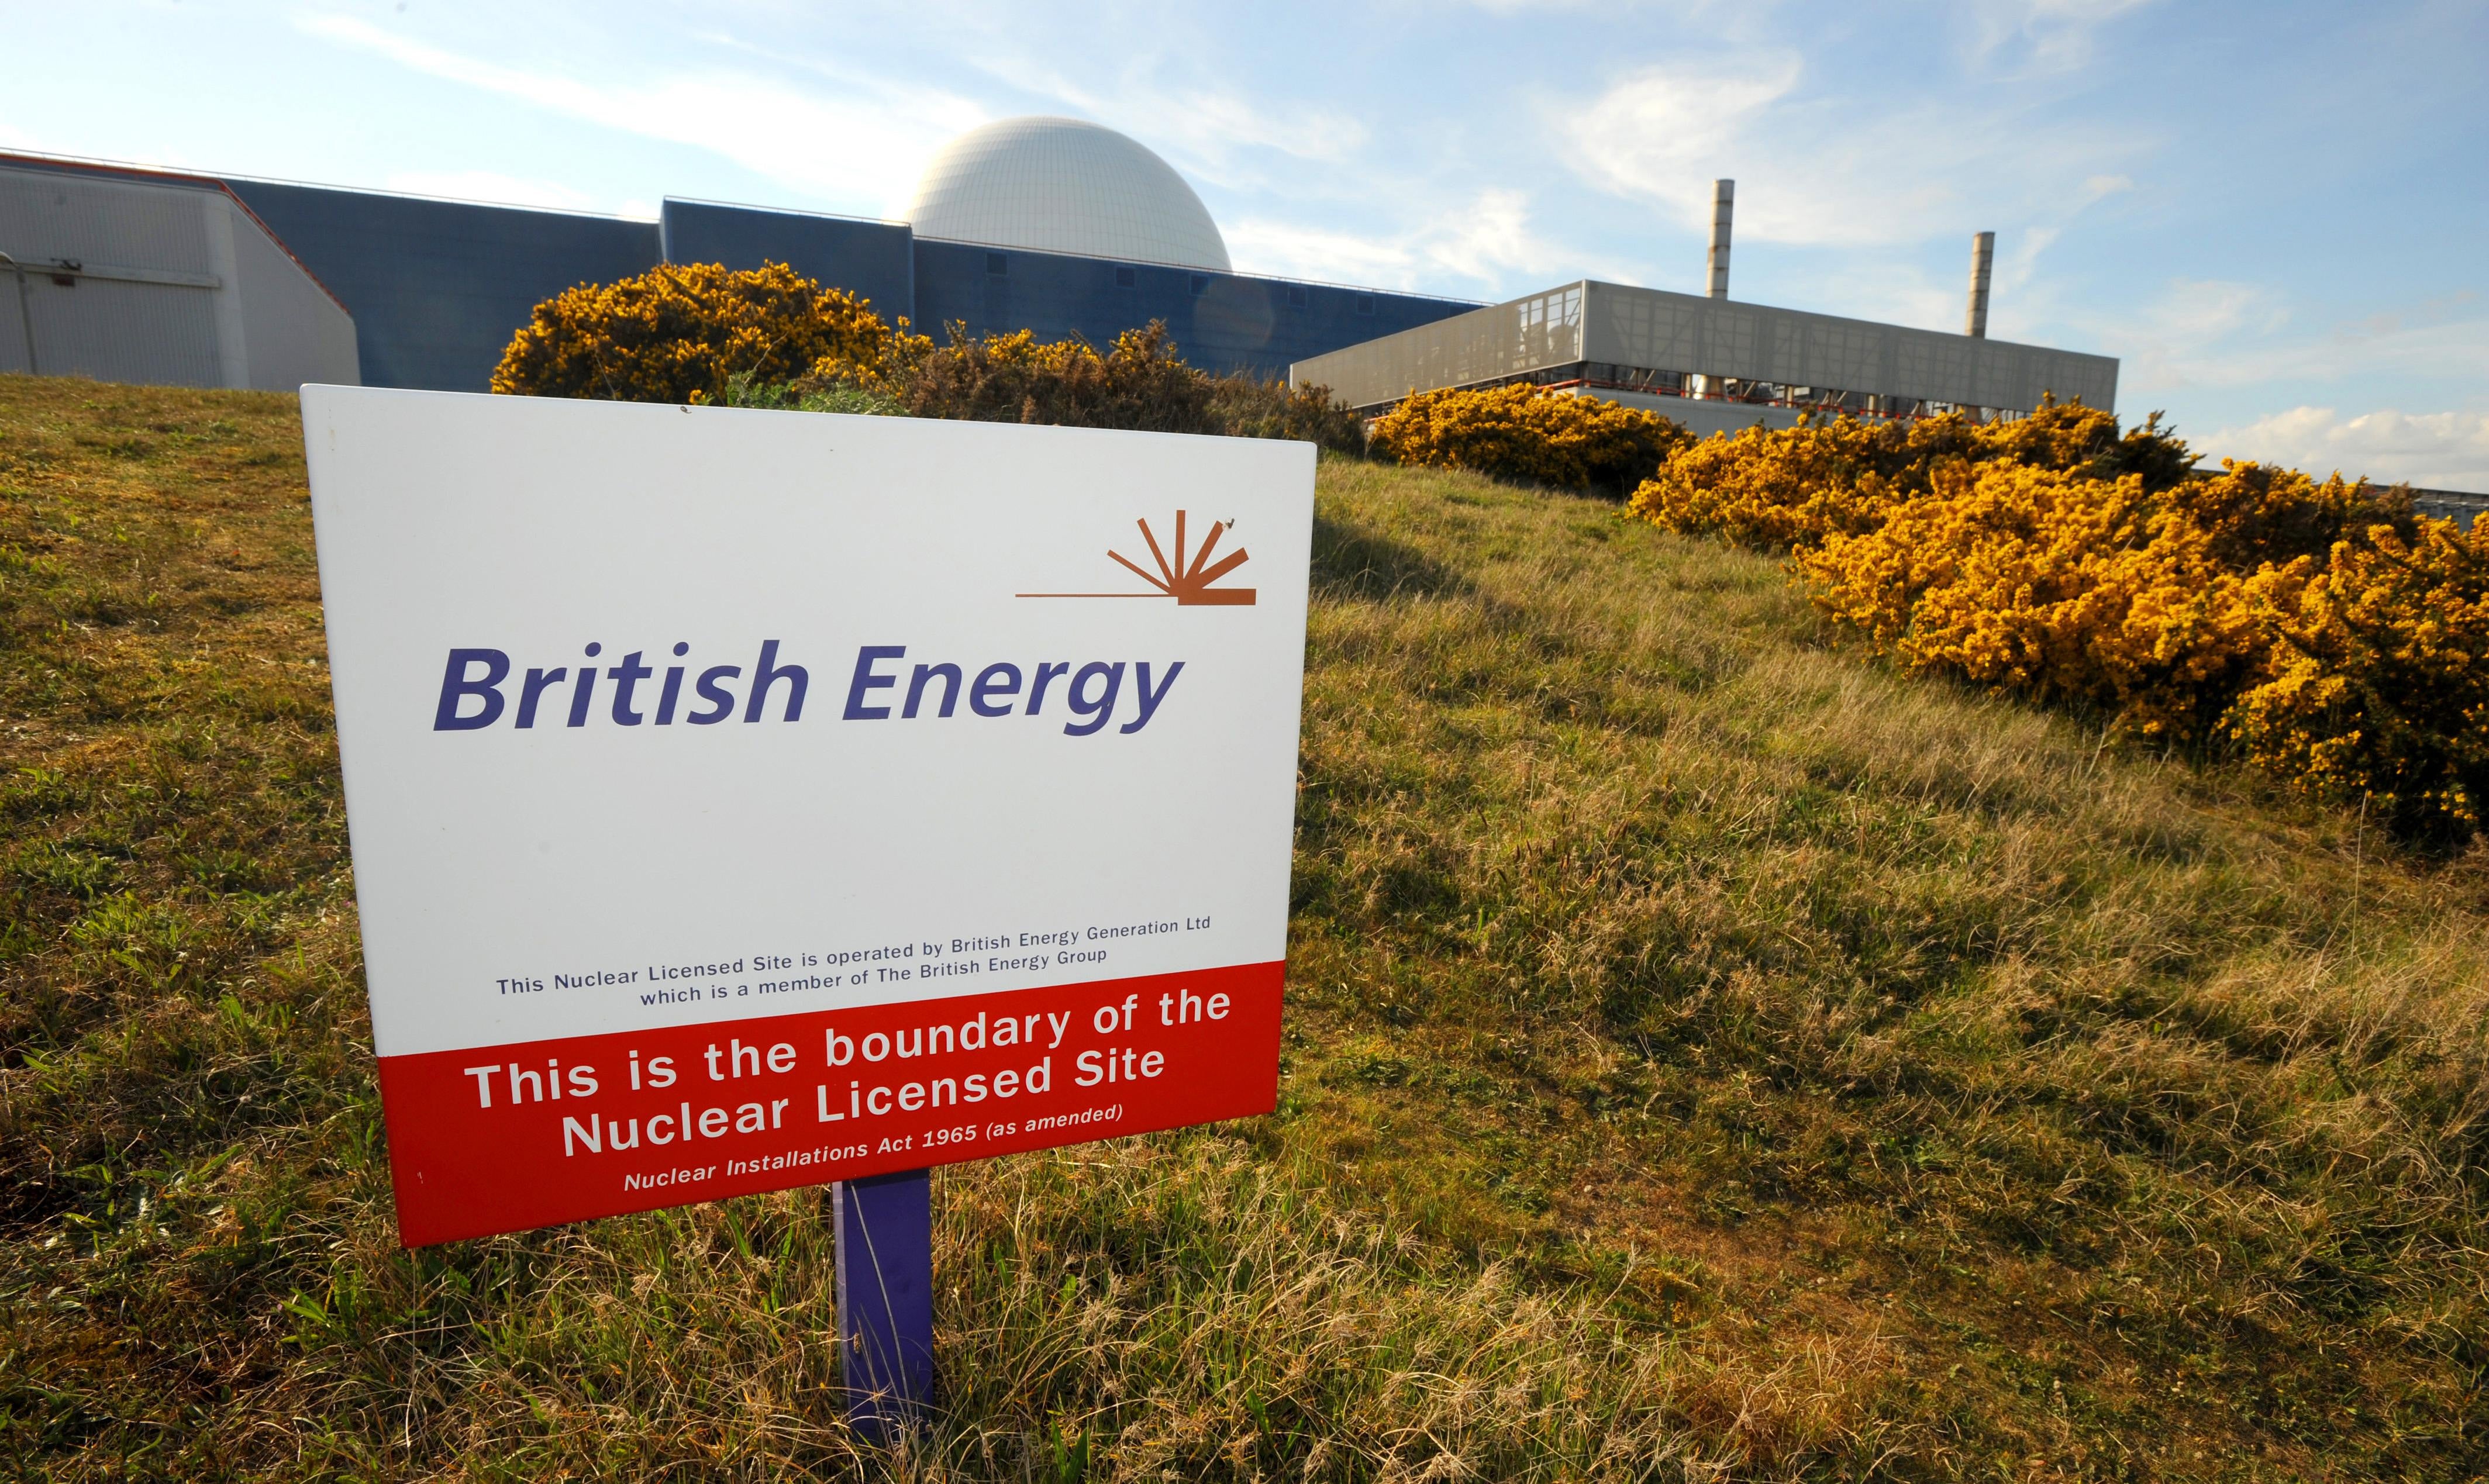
(748, 799)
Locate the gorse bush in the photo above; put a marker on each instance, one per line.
(1530, 435)
(1777, 490)
(1251, 406)
(1141, 383)
(2052, 584)
(681, 332)
(773, 338)
(2338, 639)
(2376, 687)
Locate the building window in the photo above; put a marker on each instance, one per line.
(997, 264)
(1126, 278)
(1366, 304)
(1201, 284)
(1296, 296)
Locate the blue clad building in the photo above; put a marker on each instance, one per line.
(874, 260)
(1053, 226)
(437, 288)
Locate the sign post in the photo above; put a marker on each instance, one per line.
(747, 800)
(885, 1257)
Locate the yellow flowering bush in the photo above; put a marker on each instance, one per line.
(2378, 684)
(2053, 585)
(1785, 489)
(2332, 636)
(2259, 513)
(1530, 434)
(686, 331)
(1770, 490)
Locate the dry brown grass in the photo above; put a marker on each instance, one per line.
(1709, 1057)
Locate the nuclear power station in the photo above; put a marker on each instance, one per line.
(1712, 362)
(1054, 226)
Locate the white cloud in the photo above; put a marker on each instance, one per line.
(862, 149)
(2434, 450)
(1259, 245)
(1487, 239)
(490, 186)
(1491, 237)
(2201, 333)
(1210, 128)
(1822, 170)
(2054, 35)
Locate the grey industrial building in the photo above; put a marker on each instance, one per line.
(1713, 363)
(136, 276)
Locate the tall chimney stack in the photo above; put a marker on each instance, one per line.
(1724, 197)
(1983, 253)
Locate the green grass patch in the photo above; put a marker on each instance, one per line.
(1708, 1056)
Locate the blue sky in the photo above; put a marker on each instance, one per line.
(2277, 216)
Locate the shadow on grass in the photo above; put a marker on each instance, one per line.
(1353, 564)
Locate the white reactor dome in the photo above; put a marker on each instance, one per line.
(1062, 186)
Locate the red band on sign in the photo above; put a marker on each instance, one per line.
(506, 1138)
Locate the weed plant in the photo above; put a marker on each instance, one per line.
(1709, 1056)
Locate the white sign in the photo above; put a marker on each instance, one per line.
(748, 799)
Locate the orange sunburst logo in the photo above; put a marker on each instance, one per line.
(1190, 585)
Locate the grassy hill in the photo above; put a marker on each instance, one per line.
(1709, 1057)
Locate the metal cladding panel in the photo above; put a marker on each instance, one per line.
(104, 328)
(162, 334)
(437, 288)
(874, 260)
(1500, 340)
(1701, 418)
(13, 326)
(49, 213)
(1221, 322)
(160, 278)
(1843, 354)
(292, 331)
(1658, 330)
(1623, 328)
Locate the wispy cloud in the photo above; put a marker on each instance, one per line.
(2435, 451)
(1209, 127)
(2212, 334)
(2043, 35)
(860, 150)
(1480, 244)
(1817, 169)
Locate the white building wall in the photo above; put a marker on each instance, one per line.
(295, 333)
(161, 280)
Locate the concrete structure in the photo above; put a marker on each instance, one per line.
(1715, 267)
(1064, 186)
(1983, 259)
(1712, 364)
(147, 277)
